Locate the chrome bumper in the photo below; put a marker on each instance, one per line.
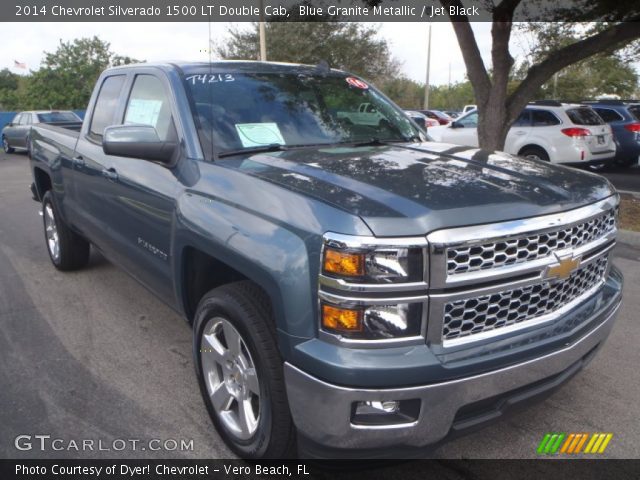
(322, 411)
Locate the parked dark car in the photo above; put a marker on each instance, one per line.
(441, 117)
(354, 288)
(624, 118)
(16, 133)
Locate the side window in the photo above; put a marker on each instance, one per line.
(524, 120)
(148, 105)
(105, 109)
(470, 121)
(608, 115)
(26, 119)
(16, 119)
(543, 118)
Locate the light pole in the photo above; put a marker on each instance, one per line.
(426, 86)
(263, 39)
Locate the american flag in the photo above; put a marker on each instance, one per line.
(18, 64)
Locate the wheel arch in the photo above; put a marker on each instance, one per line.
(533, 146)
(42, 180)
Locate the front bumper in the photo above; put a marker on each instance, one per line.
(322, 411)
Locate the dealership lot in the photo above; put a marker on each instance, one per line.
(93, 355)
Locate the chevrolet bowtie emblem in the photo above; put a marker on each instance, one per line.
(565, 267)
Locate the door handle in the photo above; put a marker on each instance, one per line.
(78, 161)
(520, 133)
(110, 174)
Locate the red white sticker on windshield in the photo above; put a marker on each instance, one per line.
(356, 82)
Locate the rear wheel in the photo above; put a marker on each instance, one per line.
(534, 153)
(240, 372)
(5, 145)
(67, 249)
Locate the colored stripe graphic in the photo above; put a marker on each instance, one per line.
(573, 443)
(581, 443)
(543, 443)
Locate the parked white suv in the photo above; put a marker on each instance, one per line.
(550, 131)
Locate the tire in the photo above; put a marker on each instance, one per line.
(67, 250)
(256, 378)
(5, 145)
(534, 153)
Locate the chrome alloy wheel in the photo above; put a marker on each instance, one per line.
(5, 145)
(51, 231)
(231, 377)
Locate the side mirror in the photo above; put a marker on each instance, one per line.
(456, 125)
(10, 124)
(137, 141)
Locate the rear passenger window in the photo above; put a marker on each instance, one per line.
(524, 120)
(105, 110)
(26, 119)
(543, 118)
(608, 115)
(635, 111)
(584, 116)
(148, 105)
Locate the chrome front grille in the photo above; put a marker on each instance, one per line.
(482, 313)
(490, 280)
(509, 251)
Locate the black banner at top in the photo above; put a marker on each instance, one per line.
(315, 10)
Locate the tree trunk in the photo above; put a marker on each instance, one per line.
(492, 123)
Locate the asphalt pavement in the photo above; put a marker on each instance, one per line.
(92, 355)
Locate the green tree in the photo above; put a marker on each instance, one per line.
(9, 83)
(609, 73)
(67, 76)
(499, 100)
(405, 92)
(347, 45)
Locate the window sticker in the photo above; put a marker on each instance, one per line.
(143, 112)
(356, 82)
(257, 134)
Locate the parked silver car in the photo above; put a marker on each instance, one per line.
(16, 133)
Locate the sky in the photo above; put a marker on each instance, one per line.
(188, 42)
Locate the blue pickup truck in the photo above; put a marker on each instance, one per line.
(355, 289)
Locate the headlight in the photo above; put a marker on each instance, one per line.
(371, 288)
(380, 265)
(373, 322)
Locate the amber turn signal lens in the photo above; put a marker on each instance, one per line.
(343, 263)
(341, 319)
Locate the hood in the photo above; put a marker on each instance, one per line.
(414, 189)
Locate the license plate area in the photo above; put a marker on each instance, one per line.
(600, 139)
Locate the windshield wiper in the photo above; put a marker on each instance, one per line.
(376, 142)
(272, 147)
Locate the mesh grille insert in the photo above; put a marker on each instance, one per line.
(496, 254)
(488, 312)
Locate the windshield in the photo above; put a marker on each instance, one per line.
(54, 117)
(249, 110)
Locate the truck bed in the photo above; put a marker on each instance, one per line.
(49, 142)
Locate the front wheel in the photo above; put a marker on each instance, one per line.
(5, 145)
(240, 371)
